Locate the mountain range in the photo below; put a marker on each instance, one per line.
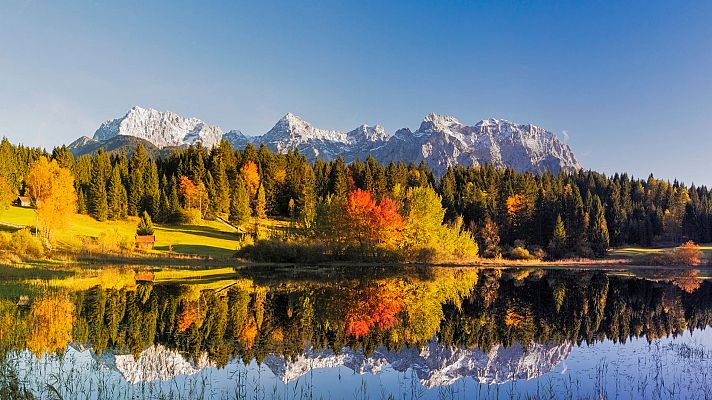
(441, 141)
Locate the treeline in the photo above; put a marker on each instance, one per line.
(508, 212)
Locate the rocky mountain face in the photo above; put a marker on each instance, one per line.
(441, 141)
(160, 128)
(434, 364)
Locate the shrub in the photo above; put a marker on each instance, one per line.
(191, 216)
(687, 253)
(520, 253)
(281, 251)
(22, 243)
(145, 226)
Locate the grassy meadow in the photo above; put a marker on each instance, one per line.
(633, 252)
(212, 239)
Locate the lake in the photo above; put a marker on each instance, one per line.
(127, 332)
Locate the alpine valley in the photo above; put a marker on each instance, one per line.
(441, 141)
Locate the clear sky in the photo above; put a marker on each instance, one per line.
(630, 82)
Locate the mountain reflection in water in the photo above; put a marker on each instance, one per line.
(436, 328)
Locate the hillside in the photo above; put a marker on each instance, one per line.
(114, 145)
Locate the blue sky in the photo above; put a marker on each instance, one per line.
(630, 82)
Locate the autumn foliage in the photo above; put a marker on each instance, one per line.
(51, 188)
(375, 306)
(372, 224)
(251, 176)
(51, 321)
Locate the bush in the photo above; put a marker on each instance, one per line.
(520, 253)
(281, 251)
(22, 243)
(145, 226)
(191, 216)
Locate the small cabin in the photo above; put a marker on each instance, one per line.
(144, 276)
(23, 201)
(145, 242)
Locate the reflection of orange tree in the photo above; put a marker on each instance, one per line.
(375, 305)
(688, 280)
(419, 304)
(50, 324)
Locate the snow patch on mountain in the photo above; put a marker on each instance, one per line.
(160, 128)
(441, 141)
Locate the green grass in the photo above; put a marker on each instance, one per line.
(210, 238)
(630, 252)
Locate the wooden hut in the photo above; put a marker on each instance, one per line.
(145, 242)
(23, 201)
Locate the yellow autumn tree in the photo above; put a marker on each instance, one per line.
(251, 176)
(51, 189)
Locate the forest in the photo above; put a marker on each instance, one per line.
(364, 209)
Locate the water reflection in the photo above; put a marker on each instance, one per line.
(416, 331)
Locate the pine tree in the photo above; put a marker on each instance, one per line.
(174, 199)
(114, 196)
(557, 245)
(81, 201)
(239, 203)
(221, 186)
(598, 234)
(137, 168)
(98, 203)
(261, 203)
(151, 192)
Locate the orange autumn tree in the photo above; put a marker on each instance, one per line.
(194, 196)
(372, 225)
(51, 189)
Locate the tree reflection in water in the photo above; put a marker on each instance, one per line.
(492, 324)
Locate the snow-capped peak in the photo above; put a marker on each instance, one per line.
(441, 120)
(162, 128)
(441, 141)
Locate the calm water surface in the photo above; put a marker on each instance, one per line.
(364, 333)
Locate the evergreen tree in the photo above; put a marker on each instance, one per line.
(598, 235)
(222, 186)
(116, 196)
(98, 202)
(81, 201)
(239, 203)
(261, 203)
(137, 169)
(151, 192)
(557, 245)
